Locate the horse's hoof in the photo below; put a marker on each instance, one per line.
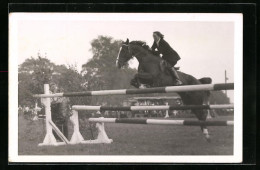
(134, 84)
(142, 86)
(208, 139)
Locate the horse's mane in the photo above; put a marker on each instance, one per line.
(144, 46)
(141, 44)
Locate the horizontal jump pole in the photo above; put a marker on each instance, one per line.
(162, 122)
(162, 107)
(167, 89)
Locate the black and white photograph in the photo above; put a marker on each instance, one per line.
(125, 87)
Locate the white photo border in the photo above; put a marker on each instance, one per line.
(236, 18)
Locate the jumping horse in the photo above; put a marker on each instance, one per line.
(152, 72)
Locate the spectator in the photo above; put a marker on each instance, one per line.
(27, 112)
(20, 110)
(60, 110)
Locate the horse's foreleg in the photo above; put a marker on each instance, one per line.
(144, 76)
(144, 79)
(135, 82)
(206, 133)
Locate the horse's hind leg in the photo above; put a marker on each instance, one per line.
(202, 116)
(206, 133)
(207, 102)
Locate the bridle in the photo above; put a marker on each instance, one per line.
(119, 52)
(128, 49)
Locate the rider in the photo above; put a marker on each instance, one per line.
(168, 54)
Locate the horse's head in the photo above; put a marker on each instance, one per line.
(123, 55)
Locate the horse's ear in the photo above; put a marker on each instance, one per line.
(127, 41)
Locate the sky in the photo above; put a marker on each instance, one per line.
(206, 47)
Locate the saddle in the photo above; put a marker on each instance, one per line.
(165, 67)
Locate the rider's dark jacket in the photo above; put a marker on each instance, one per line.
(169, 54)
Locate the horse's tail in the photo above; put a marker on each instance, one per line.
(205, 80)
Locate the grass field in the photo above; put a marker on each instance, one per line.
(132, 139)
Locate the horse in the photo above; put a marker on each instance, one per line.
(153, 73)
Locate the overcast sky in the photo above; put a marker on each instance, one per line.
(206, 48)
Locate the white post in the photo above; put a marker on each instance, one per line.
(167, 112)
(102, 135)
(49, 138)
(76, 136)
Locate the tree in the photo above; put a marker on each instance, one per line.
(218, 97)
(32, 74)
(100, 71)
(35, 72)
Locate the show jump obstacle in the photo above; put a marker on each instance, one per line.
(167, 89)
(102, 136)
(140, 108)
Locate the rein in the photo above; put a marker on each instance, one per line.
(137, 52)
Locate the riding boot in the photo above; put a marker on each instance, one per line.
(175, 74)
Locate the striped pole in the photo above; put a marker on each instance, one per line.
(162, 122)
(163, 107)
(167, 89)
